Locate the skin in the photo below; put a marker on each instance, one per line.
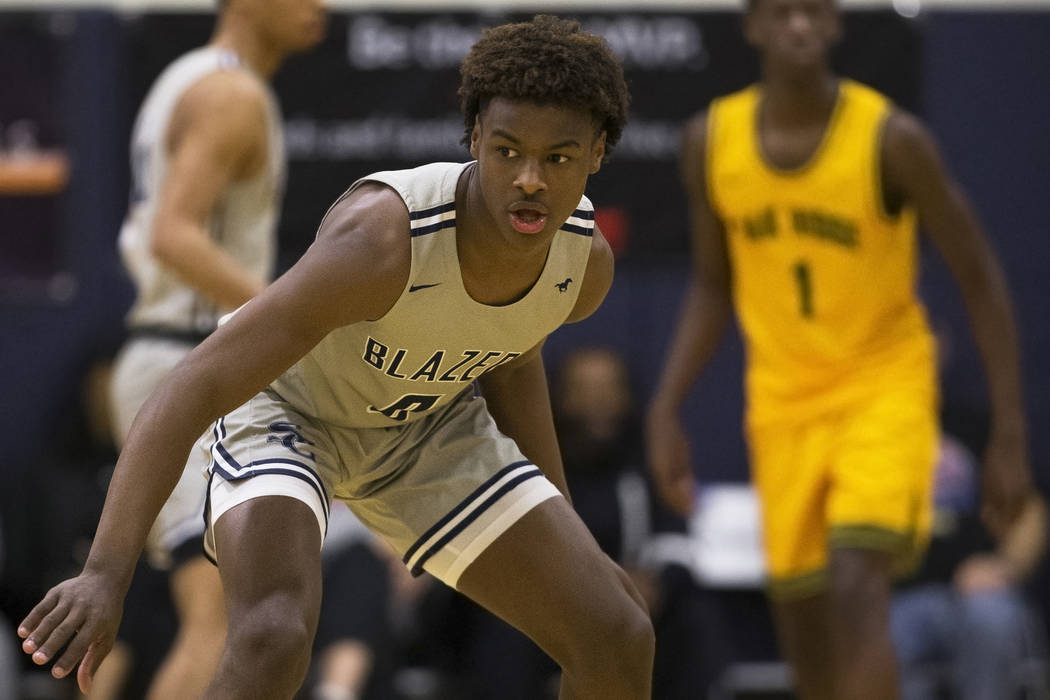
(798, 92)
(545, 575)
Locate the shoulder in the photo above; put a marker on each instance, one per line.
(230, 102)
(908, 148)
(371, 214)
(596, 280)
(363, 249)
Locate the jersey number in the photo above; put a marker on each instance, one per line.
(805, 288)
(409, 403)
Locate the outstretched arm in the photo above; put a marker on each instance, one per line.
(355, 270)
(913, 172)
(702, 321)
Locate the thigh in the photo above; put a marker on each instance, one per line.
(790, 470)
(883, 476)
(547, 577)
(269, 554)
(265, 448)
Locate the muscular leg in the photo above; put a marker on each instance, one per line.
(865, 665)
(197, 592)
(547, 577)
(270, 561)
(804, 633)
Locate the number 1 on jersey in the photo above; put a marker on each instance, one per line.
(805, 288)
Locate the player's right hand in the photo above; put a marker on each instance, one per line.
(668, 452)
(83, 612)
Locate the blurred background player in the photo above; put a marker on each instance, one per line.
(208, 170)
(805, 191)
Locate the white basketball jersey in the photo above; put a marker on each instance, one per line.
(435, 340)
(245, 217)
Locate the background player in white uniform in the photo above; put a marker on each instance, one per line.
(199, 240)
(448, 479)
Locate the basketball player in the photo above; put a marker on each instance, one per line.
(351, 377)
(805, 192)
(199, 240)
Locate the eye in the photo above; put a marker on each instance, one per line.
(506, 151)
(558, 158)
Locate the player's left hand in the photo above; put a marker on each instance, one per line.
(1006, 481)
(81, 616)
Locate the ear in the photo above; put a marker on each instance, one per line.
(475, 137)
(597, 153)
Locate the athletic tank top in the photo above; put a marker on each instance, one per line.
(244, 220)
(435, 340)
(823, 277)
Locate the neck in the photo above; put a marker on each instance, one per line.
(253, 50)
(798, 97)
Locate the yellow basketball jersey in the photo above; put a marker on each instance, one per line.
(823, 277)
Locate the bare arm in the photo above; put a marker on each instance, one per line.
(701, 325)
(355, 270)
(217, 136)
(913, 172)
(517, 393)
(1019, 553)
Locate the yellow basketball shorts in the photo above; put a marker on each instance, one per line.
(856, 478)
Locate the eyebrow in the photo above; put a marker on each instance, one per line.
(553, 147)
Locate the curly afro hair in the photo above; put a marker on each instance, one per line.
(550, 61)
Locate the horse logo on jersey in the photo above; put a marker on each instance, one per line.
(564, 286)
(291, 436)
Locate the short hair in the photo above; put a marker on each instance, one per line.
(550, 61)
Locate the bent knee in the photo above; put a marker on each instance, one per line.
(624, 632)
(274, 629)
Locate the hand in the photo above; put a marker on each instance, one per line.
(669, 460)
(1006, 481)
(982, 573)
(86, 610)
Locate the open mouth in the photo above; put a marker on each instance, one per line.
(528, 220)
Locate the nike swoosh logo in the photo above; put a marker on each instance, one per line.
(417, 287)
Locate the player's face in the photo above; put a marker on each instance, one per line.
(533, 163)
(292, 25)
(793, 33)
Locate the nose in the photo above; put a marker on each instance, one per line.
(800, 22)
(530, 177)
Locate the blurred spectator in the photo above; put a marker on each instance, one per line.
(962, 622)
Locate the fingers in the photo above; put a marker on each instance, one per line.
(33, 620)
(65, 628)
(44, 630)
(83, 639)
(96, 653)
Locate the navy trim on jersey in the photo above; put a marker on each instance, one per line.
(584, 214)
(432, 228)
(572, 228)
(432, 211)
(468, 502)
